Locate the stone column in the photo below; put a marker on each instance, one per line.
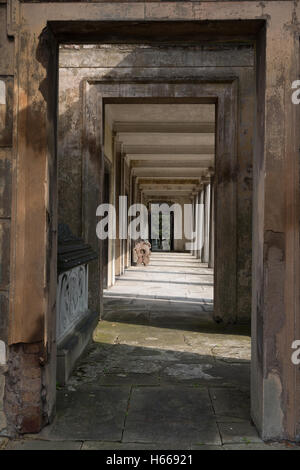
(122, 215)
(196, 225)
(201, 225)
(110, 241)
(207, 204)
(212, 227)
(130, 196)
(275, 381)
(118, 192)
(193, 220)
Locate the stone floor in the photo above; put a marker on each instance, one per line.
(160, 374)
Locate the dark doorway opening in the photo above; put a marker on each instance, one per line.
(161, 228)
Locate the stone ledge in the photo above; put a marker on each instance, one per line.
(71, 348)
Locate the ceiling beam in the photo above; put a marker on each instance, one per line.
(162, 198)
(170, 172)
(168, 180)
(170, 164)
(165, 127)
(172, 157)
(171, 187)
(167, 193)
(168, 149)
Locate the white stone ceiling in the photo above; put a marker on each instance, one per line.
(170, 147)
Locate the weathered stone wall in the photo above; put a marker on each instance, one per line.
(6, 139)
(24, 389)
(131, 61)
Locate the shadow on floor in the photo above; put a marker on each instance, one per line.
(205, 284)
(146, 394)
(174, 314)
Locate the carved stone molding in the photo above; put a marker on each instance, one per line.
(72, 299)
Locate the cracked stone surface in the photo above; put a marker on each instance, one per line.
(159, 373)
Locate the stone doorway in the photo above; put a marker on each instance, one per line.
(97, 98)
(34, 248)
(112, 139)
(157, 222)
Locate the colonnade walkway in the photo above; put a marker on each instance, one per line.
(175, 288)
(160, 373)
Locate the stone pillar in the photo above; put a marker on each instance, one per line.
(118, 192)
(110, 271)
(196, 251)
(130, 196)
(113, 201)
(201, 225)
(32, 332)
(207, 204)
(122, 215)
(133, 201)
(127, 192)
(212, 226)
(135, 190)
(193, 220)
(275, 380)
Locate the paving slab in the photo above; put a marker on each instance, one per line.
(165, 279)
(230, 402)
(199, 373)
(96, 445)
(152, 337)
(242, 432)
(43, 445)
(94, 415)
(233, 376)
(171, 415)
(262, 446)
(134, 379)
(206, 447)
